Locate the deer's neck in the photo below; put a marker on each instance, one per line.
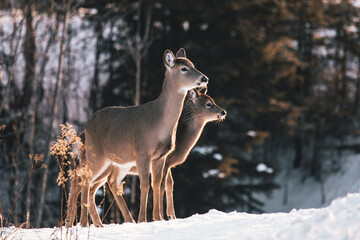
(187, 135)
(170, 103)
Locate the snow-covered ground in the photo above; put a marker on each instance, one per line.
(306, 193)
(341, 220)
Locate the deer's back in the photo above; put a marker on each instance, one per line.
(128, 131)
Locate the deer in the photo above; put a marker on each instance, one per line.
(110, 175)
(140, 136)
(198, 110)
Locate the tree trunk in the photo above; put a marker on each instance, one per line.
(286, 183)
(30, 97)
(357, 93)
(316, 161)
(337, 57)
(344, 82)
(298, 152)
(94, 88)
(138, 81)
(29, 55)
(32, 132)
(15, 189)
(53, 114)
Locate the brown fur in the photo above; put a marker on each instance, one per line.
(191, 124)
(139, 136)
(194, 116)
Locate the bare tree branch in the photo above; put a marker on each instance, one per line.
(10, 66)
(54, 111)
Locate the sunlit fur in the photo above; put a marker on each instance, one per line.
(143, 134)
(194, 116)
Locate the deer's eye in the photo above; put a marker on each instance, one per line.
(184, 69)
(209, 105)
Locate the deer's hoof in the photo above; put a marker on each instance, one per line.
(171, 217)
(99, 225)
(67, 224)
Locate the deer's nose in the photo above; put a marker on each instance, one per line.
(204, 79)
(223, 113)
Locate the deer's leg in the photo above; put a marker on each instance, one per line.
(169, 196)
(143, 165)
(162, 192)
(117, 191)
(84, 204)
(157, 176)
(71, 206)
(162, 188)
(93, 211)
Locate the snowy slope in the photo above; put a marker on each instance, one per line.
(341, 220)
(307, 194)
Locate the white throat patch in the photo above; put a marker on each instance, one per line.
(182, 90)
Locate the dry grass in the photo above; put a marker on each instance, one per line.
(8, 233)
(67, 148)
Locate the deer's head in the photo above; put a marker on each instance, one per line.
(202, 106)
(181, 72)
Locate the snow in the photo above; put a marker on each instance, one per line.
(341, 220)
(325, 33)
(261, 167)
(251, 133)
(186, 26)
(204, 150)
(218, 156)
(306, 193)
(213, 173)
(204, 26)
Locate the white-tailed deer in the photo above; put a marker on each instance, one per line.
(198, 110)
(140, 136)
(110, 175)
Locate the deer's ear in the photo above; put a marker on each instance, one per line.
(181, 53)
(169, 59)
(203, 90)
(193, 95)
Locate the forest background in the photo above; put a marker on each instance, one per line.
(287, 72)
